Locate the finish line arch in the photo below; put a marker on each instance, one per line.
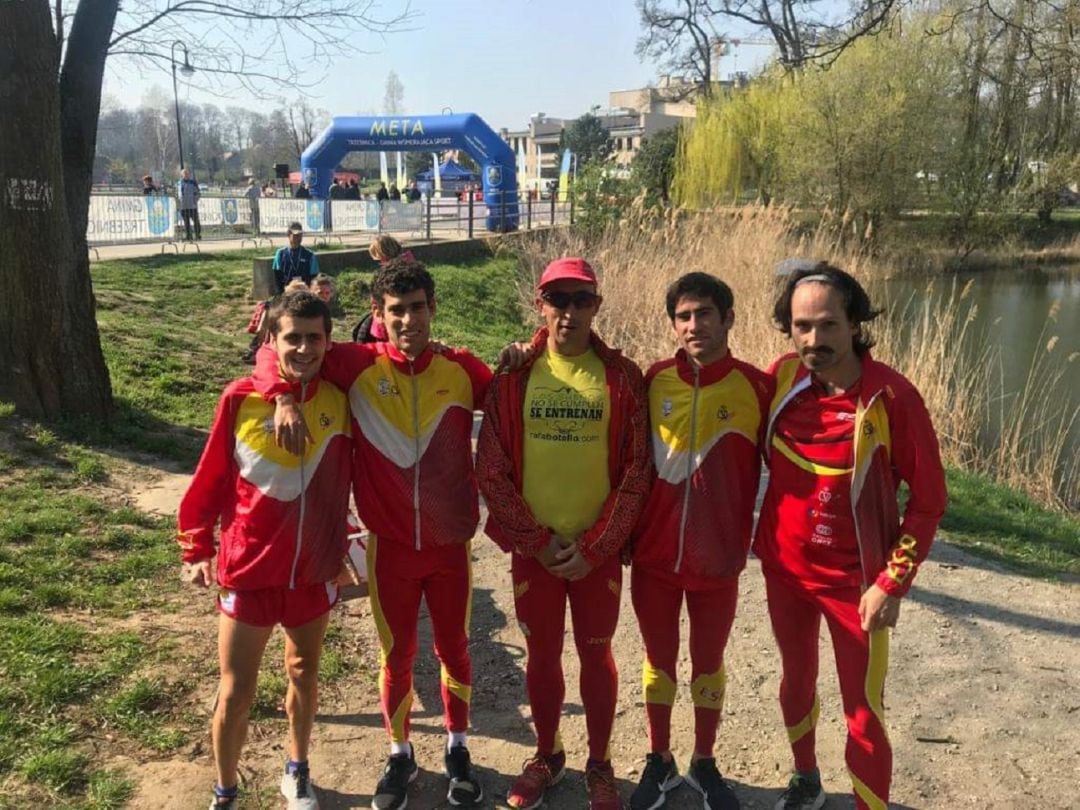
(420, 133)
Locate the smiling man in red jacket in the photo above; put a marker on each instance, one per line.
(563, 464)
(282, 540)
(844, 431)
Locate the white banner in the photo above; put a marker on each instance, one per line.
(276, 214)
(399, 216)
(354, 215)
(224, 211)
(130, 219)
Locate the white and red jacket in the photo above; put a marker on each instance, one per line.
(706, 426)
(282, 516)
(893, 441)
(414, 482)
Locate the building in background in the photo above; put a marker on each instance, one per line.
(631, 116)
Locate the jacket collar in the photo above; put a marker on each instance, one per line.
(308, 391)
(707, 375)
(402, 362)
(872, 381)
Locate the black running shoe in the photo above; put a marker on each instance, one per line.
(656, 780)
(465, 789)
(392, 791)
(704, 777)
(803, 793)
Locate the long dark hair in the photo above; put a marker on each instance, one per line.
(857, 304)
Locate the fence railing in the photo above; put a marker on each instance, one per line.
(156, 218)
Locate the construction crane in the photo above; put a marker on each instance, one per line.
(723, 46)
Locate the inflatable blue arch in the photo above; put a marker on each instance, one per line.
(422, 133)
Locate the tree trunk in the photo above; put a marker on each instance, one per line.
(86, 387)
(33, 217)
(52, 364)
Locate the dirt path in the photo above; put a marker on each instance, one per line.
(983, 701)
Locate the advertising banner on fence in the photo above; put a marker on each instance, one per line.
(398, 216)
(224, 211)
(351, 215)
(275, 215)
(130, 219)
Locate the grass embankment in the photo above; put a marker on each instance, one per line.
(102, 654)
(83, 677)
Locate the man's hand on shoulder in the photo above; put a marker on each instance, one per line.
(290, 431)
(878, 609)
(197, 573)
(513, 356)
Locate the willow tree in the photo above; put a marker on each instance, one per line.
(732, 149)
(52, 62)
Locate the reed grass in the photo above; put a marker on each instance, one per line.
(1018, 438)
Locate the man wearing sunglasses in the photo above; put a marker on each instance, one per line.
(563, 463)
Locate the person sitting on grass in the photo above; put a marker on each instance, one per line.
(282, 540)
(294, 261)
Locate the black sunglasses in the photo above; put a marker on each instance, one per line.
(582, 299)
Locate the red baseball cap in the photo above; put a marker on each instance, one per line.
(573, 268)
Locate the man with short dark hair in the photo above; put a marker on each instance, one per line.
(563, 463)
(707, 413)
(844, 430)
(281, 544)
(416, 492)
(294, 261)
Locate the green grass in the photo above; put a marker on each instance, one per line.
(1008, 527)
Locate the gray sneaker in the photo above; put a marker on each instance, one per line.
(298, 790)
(803, 793)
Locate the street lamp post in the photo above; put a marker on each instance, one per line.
(187, 70)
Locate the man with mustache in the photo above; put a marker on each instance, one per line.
(844, 430)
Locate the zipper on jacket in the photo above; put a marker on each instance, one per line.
(303, 495)
(689, 469)
(851, 488)
(416, 444)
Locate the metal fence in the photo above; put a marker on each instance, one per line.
(154, 218)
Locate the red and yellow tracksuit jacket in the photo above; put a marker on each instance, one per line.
(706, 429)
(894, 441)
(414, 481)
(282, 516)
(500, 459)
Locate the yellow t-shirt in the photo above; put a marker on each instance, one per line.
(567, 413)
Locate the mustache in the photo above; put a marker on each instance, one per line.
(817, 350)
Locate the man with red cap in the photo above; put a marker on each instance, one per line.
(564, 466)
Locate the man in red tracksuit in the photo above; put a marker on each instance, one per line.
(844, 431)
(416, 492)
(563, 463)
(282, 540)
(707, 413)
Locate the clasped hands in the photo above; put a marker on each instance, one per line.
(562, 557)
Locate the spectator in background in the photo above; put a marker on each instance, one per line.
(294, 261)
(148, 186)
(323, 286)
(269, 190)
(412, 193)
(252, 195)
(302, 192)
(382, 194)
(187, 193)
(336, 190)
(352, 191)
(395, 194)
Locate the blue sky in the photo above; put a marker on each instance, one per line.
(503, 59)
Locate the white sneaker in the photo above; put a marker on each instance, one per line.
(298, 791)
